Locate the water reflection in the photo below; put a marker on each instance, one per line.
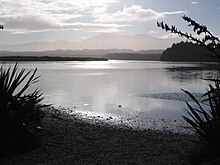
(103, 86)
(193, 74)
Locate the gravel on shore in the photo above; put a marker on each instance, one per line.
(75, 141)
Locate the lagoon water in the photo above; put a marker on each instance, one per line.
(122, 87)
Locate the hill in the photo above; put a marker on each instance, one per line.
(187, 51)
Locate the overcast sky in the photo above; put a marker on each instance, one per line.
(75, 20)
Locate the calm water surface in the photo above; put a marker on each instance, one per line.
(119, 87)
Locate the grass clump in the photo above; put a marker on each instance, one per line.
(19, 111)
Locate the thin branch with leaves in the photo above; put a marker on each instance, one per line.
(208, 40)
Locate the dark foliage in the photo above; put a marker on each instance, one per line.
(19, 112)
(209, 41)
(187, 51)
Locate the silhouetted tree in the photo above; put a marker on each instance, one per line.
(207, 39)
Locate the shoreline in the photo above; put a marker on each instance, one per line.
(49, 58)
(77, 140)
(132, 121)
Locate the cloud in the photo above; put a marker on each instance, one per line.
(194, 3)
(170, 35)
(92, 27)
(154, 32)
(34, 23)
(25, 16)
(133, 13)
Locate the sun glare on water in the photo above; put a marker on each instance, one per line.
(93, 65)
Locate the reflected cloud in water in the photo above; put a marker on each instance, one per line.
(104, 85)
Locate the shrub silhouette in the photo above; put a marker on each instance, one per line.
(19, 112)
(205, 122)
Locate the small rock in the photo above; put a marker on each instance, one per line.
(109, 118)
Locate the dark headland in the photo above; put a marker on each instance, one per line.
(187, 52)
(49, 58)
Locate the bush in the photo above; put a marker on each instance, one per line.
(205, 117)
(19, 112)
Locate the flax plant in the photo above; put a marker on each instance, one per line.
(19, 111)
(204, 117)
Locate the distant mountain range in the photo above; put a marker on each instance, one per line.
(187, 51)
(103, 41)
(125, 47)
(66, 53)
